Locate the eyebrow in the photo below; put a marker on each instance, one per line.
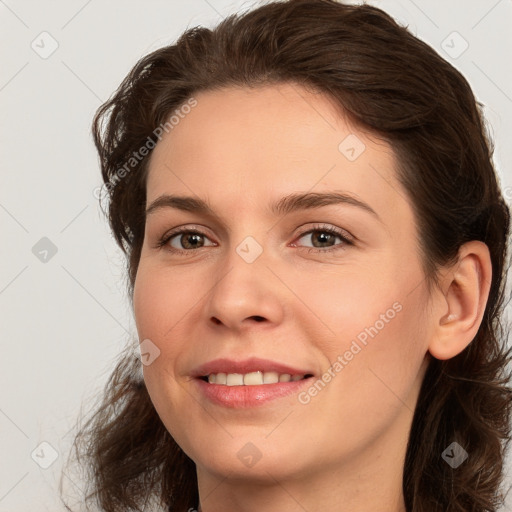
(284, 206)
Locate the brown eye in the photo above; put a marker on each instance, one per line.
(189, 241)
(185, 240)
(323, 238)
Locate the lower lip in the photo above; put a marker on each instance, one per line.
(249, 396)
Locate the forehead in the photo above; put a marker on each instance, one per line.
(267, 142)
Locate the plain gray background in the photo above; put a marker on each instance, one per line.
(64, 312)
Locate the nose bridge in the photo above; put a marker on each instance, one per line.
(244, 271)
(248, 248)
(244, 288)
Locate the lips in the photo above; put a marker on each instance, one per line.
(248, 383)
(251, 365)
(251, 379)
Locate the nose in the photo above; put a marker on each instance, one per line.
(245, 295)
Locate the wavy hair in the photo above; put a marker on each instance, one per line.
(391, 84)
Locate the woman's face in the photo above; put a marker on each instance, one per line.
(296, 288)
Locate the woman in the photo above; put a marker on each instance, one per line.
(316, 246)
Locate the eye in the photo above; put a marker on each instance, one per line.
(184, 240)
(324, 239)
(320, 238)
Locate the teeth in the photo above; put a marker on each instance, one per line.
(235, 379)
(251, 379)
(270, 378)
(220, 378)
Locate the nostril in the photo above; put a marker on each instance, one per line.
(258, 318)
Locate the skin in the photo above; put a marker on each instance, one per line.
(241, 150)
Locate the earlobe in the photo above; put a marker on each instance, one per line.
(460, 309)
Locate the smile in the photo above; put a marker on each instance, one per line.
(251, 379)
(249, 383)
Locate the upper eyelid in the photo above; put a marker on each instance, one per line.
(340, 232)
(318, 226)
(345, 236)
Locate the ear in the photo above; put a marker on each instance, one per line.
(461, 304)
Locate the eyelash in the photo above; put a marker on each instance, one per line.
(319, 228)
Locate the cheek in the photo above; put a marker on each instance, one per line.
(160, 303)
(374, 383)
(382, 356)
(161, 300)
(354, 305)
(167, 306)
(378, 337)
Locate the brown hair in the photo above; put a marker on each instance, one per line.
(393, 85)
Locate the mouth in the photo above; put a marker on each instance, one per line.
(249, 383)
(257, 378)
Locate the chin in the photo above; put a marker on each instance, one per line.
(252, 466)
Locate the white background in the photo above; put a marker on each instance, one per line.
(64, 321)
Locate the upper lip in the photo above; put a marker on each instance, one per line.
(253, 364)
